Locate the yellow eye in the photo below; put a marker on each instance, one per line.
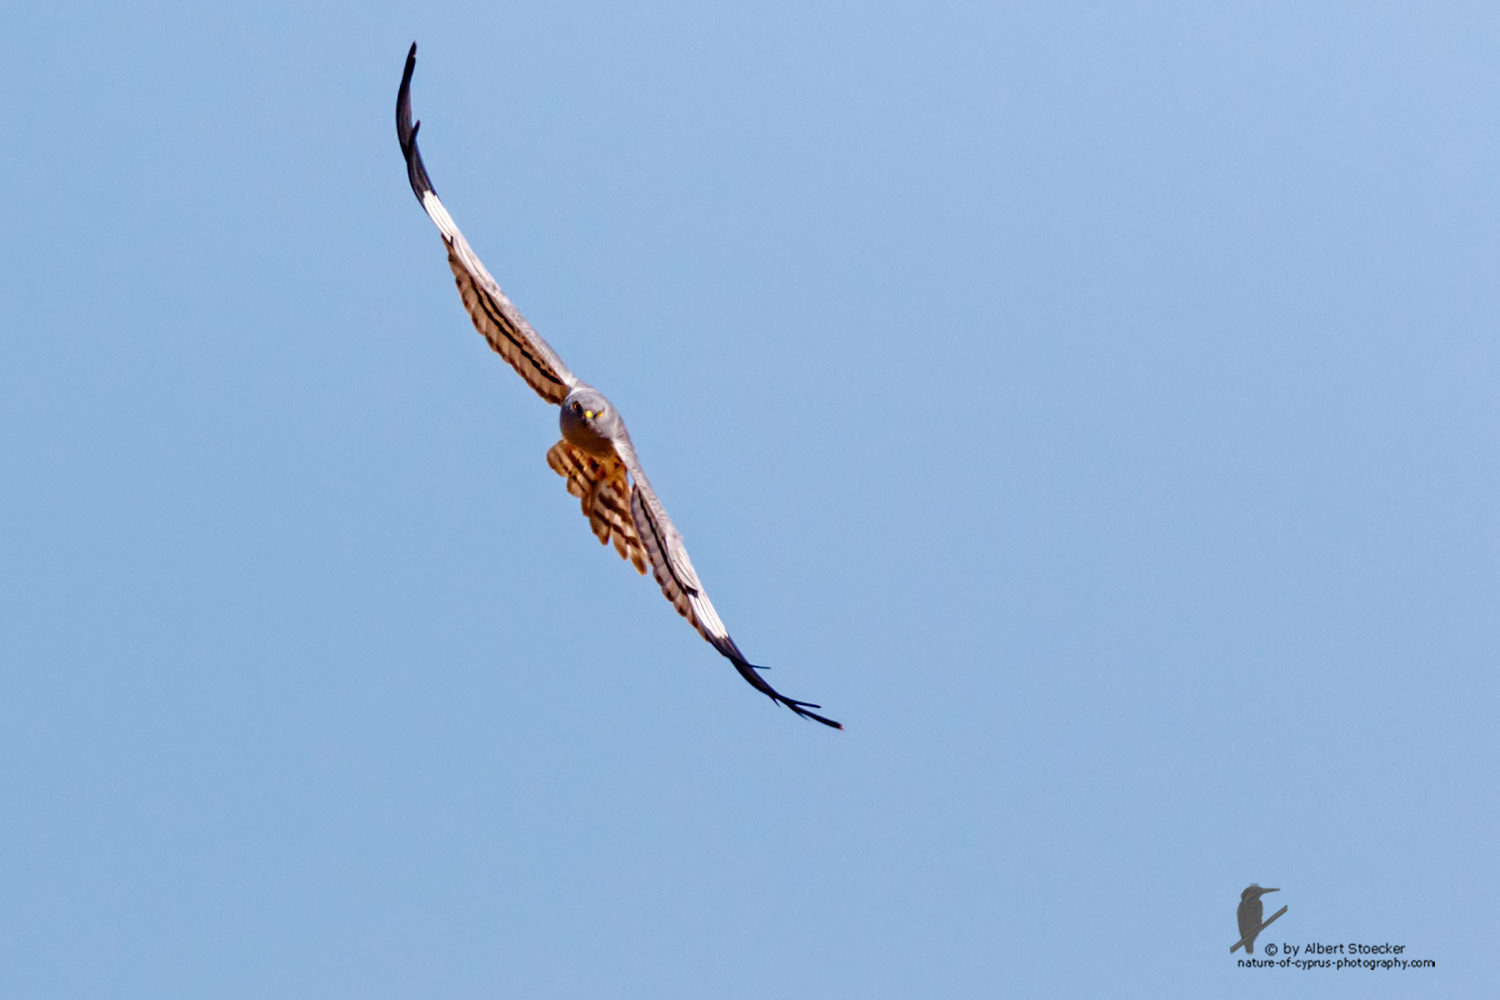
(589, 414)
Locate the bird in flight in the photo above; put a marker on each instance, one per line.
(595, 455)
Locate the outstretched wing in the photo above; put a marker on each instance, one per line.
(679, 582)
(494, 316)
(604, 494)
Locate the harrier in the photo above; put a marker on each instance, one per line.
(595, 455)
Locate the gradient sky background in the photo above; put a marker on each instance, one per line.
(1093, 406)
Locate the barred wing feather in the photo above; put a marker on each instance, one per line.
(675, 575)
(494, 316)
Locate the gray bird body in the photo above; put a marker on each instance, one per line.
(595, 455)
(1249, 915)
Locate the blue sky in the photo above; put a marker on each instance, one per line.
(1092, 406)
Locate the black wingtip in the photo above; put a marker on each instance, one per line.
(406, 130)
(815, 717)
(750, 672)
(801, 708)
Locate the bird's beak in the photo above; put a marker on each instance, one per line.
(1264, 891)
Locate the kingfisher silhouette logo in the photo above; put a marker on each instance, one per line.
(1309, 953)
(1249, 914)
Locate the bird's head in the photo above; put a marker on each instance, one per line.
(1253, 891)
(588, 420)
